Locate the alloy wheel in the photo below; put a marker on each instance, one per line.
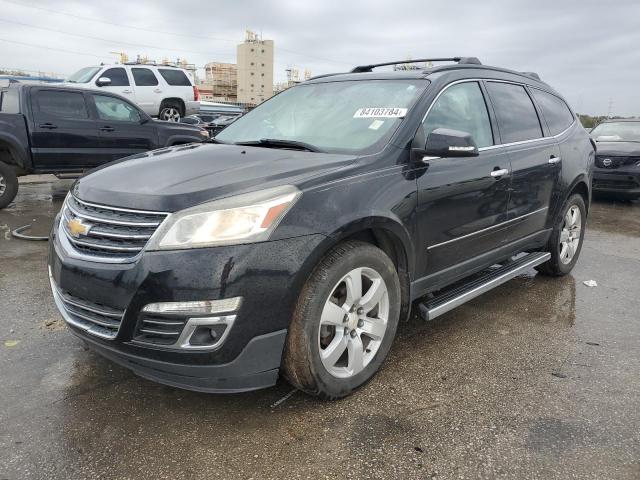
(3, 185)
(353, 322)
(570, 234)
(170, 114)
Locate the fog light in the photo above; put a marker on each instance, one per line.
(205, 307)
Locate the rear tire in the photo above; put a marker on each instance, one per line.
(8, 184)
(566, 238)
(171, 111)
(344, 322)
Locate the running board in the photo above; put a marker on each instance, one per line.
(436, 306)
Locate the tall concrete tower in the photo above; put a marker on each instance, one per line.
(255, 69)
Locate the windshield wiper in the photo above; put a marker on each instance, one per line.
(280, 143)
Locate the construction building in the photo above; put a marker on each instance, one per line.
(255, 69)
(220, 82)
(293, 78)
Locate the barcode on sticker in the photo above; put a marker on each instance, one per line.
(380, 112)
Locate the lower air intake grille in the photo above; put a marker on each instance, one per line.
(94, 318)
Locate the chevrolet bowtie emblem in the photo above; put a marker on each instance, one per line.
(77, 228)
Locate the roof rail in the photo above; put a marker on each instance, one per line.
(459, 60)
(533, 75)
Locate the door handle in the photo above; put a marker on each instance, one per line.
(107, 129)
(49, 126)
(157, 90)
(126, 91)
(499, 173)
(554, 160)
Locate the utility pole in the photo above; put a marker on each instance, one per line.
(610, 107)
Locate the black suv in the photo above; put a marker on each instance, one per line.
(63, 130)
(618, 160)
(297, 241)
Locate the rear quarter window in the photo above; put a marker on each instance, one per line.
(555, 112)
(517, 117)
(176, 78)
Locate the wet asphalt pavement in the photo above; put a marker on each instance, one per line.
(539, 378)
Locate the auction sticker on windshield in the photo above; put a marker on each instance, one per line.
(380, 112)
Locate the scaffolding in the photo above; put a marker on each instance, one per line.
(222, 80)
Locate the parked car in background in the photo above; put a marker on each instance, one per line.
(296, 240)
(160, 91)
(213, 123)
(51, 129)
(617, 169)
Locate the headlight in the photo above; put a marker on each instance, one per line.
(204, 133)
(246, 218)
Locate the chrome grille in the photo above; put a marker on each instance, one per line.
(94, 318)
(111, 233)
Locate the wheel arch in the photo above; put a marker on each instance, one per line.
(385, 233)
(177, 100)
(581, 187)
(12, 153)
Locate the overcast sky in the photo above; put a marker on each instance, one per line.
(588, 50)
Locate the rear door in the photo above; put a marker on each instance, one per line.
(122, 129)
(120, 82)
(535, 159)
(148, 90)
(177, 83)
(63, 134)
(461, 205)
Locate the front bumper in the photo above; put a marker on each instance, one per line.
(268, 276)
(620, 181)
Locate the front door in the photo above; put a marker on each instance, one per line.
(461, 201)
(63, 134)
(122, 129)
(120, 82)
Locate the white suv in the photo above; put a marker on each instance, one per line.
(161, 91)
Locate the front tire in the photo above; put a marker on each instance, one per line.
(344, 322)
(8, 184)
(566, 238)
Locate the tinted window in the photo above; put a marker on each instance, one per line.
(83, 75)
(61, 104)
(118, 77)
(517, 116)
(10, 101)
(111, 108)
(461, 107)
(175, 77)
(555, 111)
(143, 77)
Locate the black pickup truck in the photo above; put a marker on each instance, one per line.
(46, 129)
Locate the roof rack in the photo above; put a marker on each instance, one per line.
(459, 60)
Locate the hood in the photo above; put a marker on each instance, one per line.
(172, 179)
(177, 126)
(622, 149)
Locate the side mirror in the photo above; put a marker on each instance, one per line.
(103, 82)
(445, 142)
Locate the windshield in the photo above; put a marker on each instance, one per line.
(617, 132)
(83, 75)
(338, 117)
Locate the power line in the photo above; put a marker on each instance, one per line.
(53, 48)
(164, 32)
(108, 40)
